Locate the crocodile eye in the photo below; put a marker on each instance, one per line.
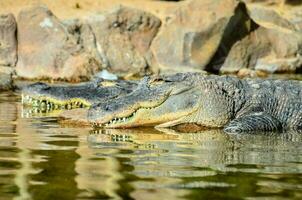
(156, 81)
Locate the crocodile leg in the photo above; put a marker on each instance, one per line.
(258, 121)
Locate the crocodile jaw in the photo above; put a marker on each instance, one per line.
(171, 108)
(47, 104)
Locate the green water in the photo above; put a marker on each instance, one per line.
(41, 159)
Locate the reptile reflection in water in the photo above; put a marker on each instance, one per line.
(217, 146)
(205, 160)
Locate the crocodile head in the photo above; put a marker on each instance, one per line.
(165, 101)
(156, 100)
(47, 98)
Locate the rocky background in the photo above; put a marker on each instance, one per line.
(135, 38)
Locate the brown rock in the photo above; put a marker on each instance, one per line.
(6, 81)
(8, 42)
(49, 48)
(289, 9)
(275, 46)
(294, 15)
(242, 73)
(268, 18)
(246, 52)
(275, 2)
(197, 30)
(123, 38)
(266, 2)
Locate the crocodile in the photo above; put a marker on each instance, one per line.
(47, 98)
(236, 105)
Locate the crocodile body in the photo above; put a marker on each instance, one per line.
(207, 100)
(237, 105)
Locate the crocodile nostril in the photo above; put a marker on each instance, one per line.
(107, 108)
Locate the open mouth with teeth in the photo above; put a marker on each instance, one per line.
(48, 104)
(121, 122)
(153, 110)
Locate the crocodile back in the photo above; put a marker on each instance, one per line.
(282, 99)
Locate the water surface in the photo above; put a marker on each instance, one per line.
(41, 159)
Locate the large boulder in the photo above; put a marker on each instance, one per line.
(6, 81)
(197, 31)
(265, 2)
(289, 9)
(51, 49)
(275, 2)
(123, 38)
(294, 15)
(269, 17)
(8, 41)
(275, 46)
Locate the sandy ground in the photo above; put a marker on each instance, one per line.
(65, 9)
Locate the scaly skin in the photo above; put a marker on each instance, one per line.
(47, 98)
(206, 100)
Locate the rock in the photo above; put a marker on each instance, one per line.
(123, 38)
(275, 2)
(279, 65)
(51, 49)
(197, 31)
(294, 15)
(242, 73)
(268, 18)
(104, 74)
(275, 46)
(6, 81)
(288, 9)
(265, 2)
(246, 52)
(8, 41)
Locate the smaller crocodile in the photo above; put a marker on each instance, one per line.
(207, 100)
(47, 98)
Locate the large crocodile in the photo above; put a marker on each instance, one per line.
(206, 100)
